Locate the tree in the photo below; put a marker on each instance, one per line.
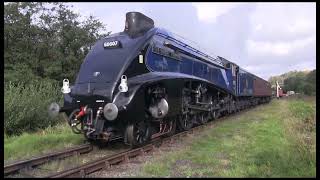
(298, 81)
(42, 42)
(311, 81)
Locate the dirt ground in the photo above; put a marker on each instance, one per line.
(135, 165)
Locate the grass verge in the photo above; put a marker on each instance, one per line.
(48, 140)
(273, 140)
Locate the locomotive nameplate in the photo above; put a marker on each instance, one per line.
(112, 44)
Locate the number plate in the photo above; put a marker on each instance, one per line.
(112, 44)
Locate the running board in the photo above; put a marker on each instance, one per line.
(198, 108)
(203, 103)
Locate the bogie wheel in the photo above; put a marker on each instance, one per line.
(215, 114)
(203, 118)
(185, 122)
(76, 125)
(138, 133)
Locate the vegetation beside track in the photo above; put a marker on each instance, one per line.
(273, 140)
(26, 106)
(44, 141)
(44, 43)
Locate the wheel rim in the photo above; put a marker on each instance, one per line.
(138, 133)
(76, 125)
(185, 122)
(203, 118)
(214, 115)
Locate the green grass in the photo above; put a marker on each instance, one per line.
(268, 141)
(28, 128)
(48, 140)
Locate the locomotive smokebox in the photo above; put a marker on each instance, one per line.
(137, 24)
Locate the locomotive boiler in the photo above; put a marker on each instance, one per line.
(146, 82)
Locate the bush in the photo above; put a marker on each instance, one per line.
(26, 106)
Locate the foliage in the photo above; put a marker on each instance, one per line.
(26, 106)
(46, 40)
(284, 76)
(310, 88)
(43, 44)
(298, 81)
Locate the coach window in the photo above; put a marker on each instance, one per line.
(172, 49)
(155, 60)
(164, 58)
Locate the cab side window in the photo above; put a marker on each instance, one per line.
(163, 58)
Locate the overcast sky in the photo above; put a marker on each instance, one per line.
(266, 39)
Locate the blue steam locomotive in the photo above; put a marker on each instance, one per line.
(146, 82)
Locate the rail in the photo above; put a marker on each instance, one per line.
(107, 162)
(14, 167)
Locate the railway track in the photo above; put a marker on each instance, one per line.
(109, 161)
(104, 162)
(123, 157)
(16, 166)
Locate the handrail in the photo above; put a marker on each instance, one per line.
(191, 48)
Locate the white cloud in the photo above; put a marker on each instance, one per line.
(258, 27)
(209, 12)
(279, 48)
(282, 38)
(283, 21)
(304, 65)
(302, 25)
(111, 14)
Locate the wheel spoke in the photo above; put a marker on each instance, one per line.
(186, 122)
(137, 133)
